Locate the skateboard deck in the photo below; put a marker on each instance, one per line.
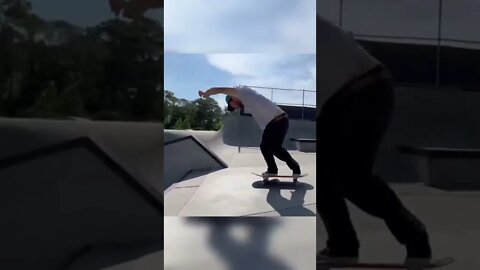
(265, 179)
(322, 265)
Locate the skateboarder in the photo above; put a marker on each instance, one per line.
(272, 120)
(356, 98)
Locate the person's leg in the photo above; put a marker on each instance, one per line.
(331, 206)
(267, 149)
(364, 122)
(279, 129)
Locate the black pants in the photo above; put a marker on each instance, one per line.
(349, 130)
(272, 145)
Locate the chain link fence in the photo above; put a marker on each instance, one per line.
(304, 99)
(436, 23)
(287, 96)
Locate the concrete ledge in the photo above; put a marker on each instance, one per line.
(305, 145)
(448, 168)
(55, 193)
(187, 154)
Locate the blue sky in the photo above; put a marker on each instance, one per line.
(185, 74)
(240, 26)
(83, 13)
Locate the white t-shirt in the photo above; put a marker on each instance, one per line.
(262, 109)
(339, 59)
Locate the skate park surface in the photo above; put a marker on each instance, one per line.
(80, 194)
(449, 215)
(221, 183)
(235, 243)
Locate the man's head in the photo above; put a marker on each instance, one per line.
(233, 103)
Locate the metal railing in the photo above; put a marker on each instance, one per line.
(272, 90)
(438, 40)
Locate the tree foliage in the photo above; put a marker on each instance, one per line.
(53, 69)
(200, 114)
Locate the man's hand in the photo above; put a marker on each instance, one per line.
(203, 94)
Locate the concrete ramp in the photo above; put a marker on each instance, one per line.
(234, 192)
(205, 189)
(136, 146)
(70, 196)
(185, 155)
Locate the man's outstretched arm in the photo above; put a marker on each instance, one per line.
(219, 90)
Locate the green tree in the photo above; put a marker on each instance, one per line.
(46, 104)
(111, 71)
(182, 124)
(208, 114)
(70, 102)
(200, 114)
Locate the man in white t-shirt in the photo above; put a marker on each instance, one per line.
(272, 120)
(355, 96)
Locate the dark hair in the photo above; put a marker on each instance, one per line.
(229, 107)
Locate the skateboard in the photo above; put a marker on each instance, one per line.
(322, 265)
(265, 179)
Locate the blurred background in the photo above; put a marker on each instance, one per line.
(430, 154)
(88, 59)
(81, 138)
(431, 44)
(433, 50)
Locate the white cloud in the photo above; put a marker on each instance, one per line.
(240, 26)
(292, 71)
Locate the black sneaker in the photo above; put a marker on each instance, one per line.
(269, 173)
(296, 171)
(419, 252)
(337, 256)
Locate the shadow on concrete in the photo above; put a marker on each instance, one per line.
(283, 205)
(276, 183)
(251, 252)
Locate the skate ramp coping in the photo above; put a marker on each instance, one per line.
(137, 146)
(446, 168)
(187, 154)
(305, 145)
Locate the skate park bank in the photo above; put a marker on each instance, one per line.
(235, 145)
(90, 191)
(210, 172)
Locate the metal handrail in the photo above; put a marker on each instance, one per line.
(303, 104)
